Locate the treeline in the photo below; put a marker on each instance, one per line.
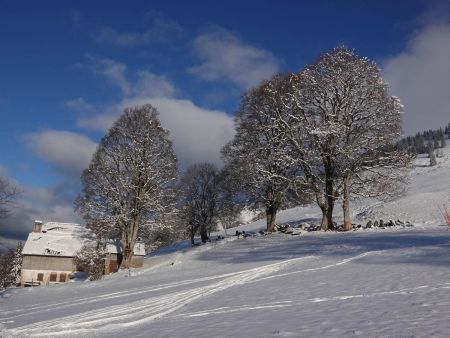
(426, 141)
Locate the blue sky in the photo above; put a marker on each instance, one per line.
(69, 67)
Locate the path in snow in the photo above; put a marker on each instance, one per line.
(129, 314)
(113, 318)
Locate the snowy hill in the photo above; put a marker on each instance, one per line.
(370, 283)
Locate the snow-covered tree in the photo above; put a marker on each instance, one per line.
(199, 195)
(162, 231)
(255, 157)
(312, 141)
(228, 206)
(10, 267)
(129, 180)
(342, 107)
(91, 259)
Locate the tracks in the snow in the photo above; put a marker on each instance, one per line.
(129, 313)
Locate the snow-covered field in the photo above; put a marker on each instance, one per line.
(369, 283)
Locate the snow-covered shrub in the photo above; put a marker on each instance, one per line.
(162, 233)
(10, 266)
(91, 260)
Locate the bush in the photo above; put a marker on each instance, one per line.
(91, 260)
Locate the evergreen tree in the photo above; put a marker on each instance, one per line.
(10, 267)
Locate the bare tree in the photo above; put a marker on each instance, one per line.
(311, 143)
(343, 107)
(256, 154)
(228, 206)
(164, 230)
(8, 194)
(128, 182)
(199, 194)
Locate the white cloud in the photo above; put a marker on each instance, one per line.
(224, 56)
(113, 71)
(53, 203)
(68, 152)
(420, 76)
(159, 30)
(197, 133)
(145, 83)
(152, 85)
(101, 122)
(80, 106)
(47, 204)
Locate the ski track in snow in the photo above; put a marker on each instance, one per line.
(117, 317)
(344, 261)
(290, 303)
(119, 294)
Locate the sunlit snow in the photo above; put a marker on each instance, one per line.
(371, 283)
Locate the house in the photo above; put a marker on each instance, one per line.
(49, 250)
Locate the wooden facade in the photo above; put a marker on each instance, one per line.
(113, 261)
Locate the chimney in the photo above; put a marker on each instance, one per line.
(37, 227)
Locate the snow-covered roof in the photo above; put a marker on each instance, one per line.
(114, 246)
(65, 239)
(56, 239)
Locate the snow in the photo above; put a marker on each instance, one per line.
(56, 239)
(65, 239)
(369, 283)
(115, 246)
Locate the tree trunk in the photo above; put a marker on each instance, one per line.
(129, 236)
(324, 221)
(131, 228)
(192, 235)
(346, 204)
(329, 191)
(127, 251)
(330, 207)
(204, 233)
(321, 202)
(271, 214)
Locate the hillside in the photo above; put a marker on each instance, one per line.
(371, 283)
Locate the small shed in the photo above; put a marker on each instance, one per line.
(114, 256)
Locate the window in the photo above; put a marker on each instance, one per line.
(62, 277)
(40, 277)
(53, 276)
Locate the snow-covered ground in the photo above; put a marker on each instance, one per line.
(370, 283)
